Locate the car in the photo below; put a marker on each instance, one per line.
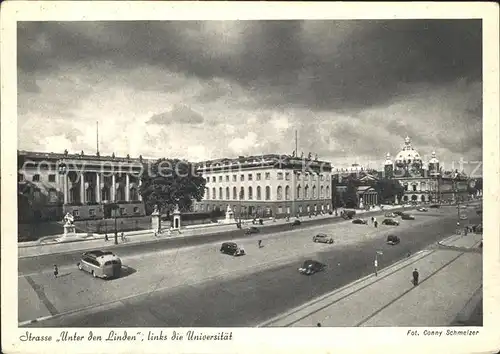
(232, 249)
(393, 240)
(390, 222)
(310, 267)
(398, 213)
(422, 209)
(296, 222)
(407, 217)
(435, 206)
(322, 238)
(360, 221)
(252, 230)
(479, 212)
(101, 264)
(391, 215)
(348, 214)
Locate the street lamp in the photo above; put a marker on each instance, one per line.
(114, 213)
(375, 262)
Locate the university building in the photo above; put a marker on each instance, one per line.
(51, 185)
(267, 185)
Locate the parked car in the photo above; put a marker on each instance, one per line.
(252, 230)
(310, 267)
(393, 240)
(296, 222)
(391, 215)
(101, 264)
(360, 221)
(398, 212)
(407, 217)
(435, 206)
(232, 249)
(390, 222)
(422, 209)
(348, 214)
(323, 238)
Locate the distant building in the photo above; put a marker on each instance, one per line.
(51, 185)
(266, 185)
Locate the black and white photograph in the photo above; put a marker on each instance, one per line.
(183, 178)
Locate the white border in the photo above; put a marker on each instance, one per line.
(255, 340)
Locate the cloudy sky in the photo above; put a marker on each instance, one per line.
(205, 89)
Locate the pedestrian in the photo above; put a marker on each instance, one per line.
(373, 219)
(260, 243)
(375, 223)
(56, 271)
(106, 237)
(415, 277)
(123, 236)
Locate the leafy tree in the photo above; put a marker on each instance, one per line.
(170, 182)
(388, 188)
(351, 194)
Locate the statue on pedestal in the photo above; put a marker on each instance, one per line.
(361, 206)
(229, 214)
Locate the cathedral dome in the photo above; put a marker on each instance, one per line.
(408, 155)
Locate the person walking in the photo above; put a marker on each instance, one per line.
(56, 271)
(415, 277)
(123, 236)
(106, 237)
(375, 223)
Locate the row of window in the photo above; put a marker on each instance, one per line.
(267, 176)
(423, 186)
(35, 177)
(323, 193)
(263, 210)
(92, 212)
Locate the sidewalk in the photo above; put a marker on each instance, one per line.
(36, 248)
(449, 278)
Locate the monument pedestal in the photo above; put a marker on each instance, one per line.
(156, 221)
(176, 221)
(69, 234)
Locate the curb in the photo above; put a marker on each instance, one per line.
(307, 222)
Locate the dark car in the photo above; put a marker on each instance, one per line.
(407, 217)
(435, 206)
(252, 230)
(392, 240)
(390, 215)
(399, 212)
(348, 214)
(360, 221)
(310, 267)
(296, 222)
(232, 249)
(390, 222)
(322, 238)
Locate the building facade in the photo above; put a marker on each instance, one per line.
(265, 186)
(51, 185)
(424, 182)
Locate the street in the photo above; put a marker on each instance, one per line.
(210, 289)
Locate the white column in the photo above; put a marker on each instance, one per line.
(65, 187)
(113, 188)
(82, 188)
(98, 187)
(127, 187)
(138, 191)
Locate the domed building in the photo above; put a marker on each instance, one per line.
(423, 182)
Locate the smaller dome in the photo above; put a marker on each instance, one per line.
(433, 158)
(388, 160)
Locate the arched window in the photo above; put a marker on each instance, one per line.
(414, 186)
(406, 186)
(414, 197)
(258, 193)
(250, 193)
(242, 193)
(299, 192)
(314, 192)
(279, 193)
(220, 193)
(234, 193)
(321, 192)
(287, 193)
(422, 198)
(306, 192)
(423, 186)
(207, 193)
(227, 193)
(405, 198)
(214, 195)
(268, 193)
(328, 192)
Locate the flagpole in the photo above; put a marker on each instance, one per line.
(97, 140)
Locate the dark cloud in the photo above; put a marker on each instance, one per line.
(364, 68)
(179, 114)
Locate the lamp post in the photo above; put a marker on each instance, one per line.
(375, 262)
(114, 213)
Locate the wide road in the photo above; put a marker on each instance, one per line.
(36, 264)
(252, 298)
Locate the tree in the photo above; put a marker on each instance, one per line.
(171, 182)
(351, 194)
(388, 188)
